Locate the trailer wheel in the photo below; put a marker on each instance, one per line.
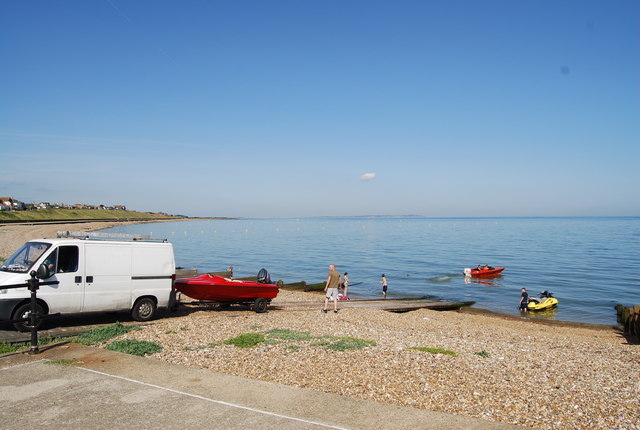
(260, 305)
(144, 309)
(24, 311)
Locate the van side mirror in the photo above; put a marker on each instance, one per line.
(43, 272)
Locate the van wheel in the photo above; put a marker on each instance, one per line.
(144, 309)
(24, 311)
(260, 305)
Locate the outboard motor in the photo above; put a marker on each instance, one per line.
(264, 277)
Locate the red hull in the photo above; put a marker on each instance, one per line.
(484, 273)
(219, 289)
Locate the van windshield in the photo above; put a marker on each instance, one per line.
(23, 259)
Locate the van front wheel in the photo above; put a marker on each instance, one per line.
(144, 309)
(24, 311)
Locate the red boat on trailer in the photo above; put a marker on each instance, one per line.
(483, 271)
(226, 291)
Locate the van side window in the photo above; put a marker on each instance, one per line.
(51, 260)
(67, 259)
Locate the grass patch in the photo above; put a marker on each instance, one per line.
(434, 350)
(207, 346)
(134, 347)
(277, 336)
(6, 347)
(246, 340)
(73, 214)
(347, 343)
(286, 334)
(322, 342)
(64, 362)
(483, 354)
(102, 334)
(170, 332)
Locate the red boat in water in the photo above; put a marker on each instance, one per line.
(483, 271)
(226, 291)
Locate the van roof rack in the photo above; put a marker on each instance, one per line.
(98, 235)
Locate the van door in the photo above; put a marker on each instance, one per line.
(66, 296)
(107, 277)
(152, 271)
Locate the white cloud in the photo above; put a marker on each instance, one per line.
(367, 177)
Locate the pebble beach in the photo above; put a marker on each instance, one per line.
(551, 376)
(541, 376)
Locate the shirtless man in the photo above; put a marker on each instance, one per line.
(384, 286)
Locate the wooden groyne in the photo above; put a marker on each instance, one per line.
(389, 305)
(629, 319)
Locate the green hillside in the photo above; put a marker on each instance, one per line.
(78, 214)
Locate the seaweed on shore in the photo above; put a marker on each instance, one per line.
(303, 286)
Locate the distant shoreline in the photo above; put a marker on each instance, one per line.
(122, 220)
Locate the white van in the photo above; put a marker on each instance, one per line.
(93, 276)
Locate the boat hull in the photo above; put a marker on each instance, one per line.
(548, 303)
(224, 290)
(484, 273)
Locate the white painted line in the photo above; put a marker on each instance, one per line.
(23, 364)
(220, 402)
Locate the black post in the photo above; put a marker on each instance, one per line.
(34, 318)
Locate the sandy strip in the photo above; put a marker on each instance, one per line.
(12, 236)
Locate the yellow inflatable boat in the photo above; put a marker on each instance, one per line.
(546, 301)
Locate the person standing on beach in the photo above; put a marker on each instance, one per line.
(345, 284)
(384, 286)
(524, 300)
(331, 289)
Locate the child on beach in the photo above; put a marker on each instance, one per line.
(345, 284)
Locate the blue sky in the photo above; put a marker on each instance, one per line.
(278, 108)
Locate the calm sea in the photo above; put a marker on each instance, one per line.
(589, 264)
